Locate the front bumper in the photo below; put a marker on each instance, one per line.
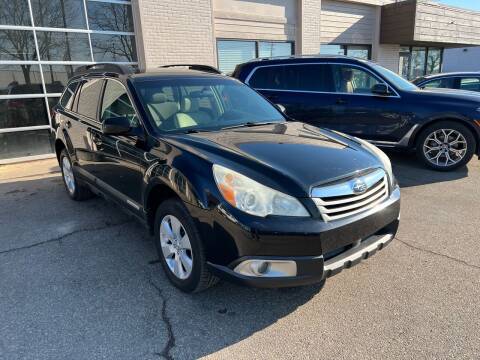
(340, 247)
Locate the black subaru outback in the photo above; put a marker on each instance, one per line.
(229, 187)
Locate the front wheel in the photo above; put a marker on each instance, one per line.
(75, 189)
(180, 248)
(445, 146)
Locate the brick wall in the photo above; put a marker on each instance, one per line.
(388, 56)
(174, 31)
(308, 32)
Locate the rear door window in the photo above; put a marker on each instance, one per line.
(303, 77)
(89, 97)
(470, 84)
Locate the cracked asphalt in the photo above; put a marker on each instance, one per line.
(81, 280)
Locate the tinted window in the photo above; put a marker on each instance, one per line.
(14, 12)
(114, 47)
(68, 95)
(231, 53)
(447, 83)
(20, 79)
(116, 103)
(308, 77)
(89, 98)
(110, 17)
(471, 84)
(59, 13)
(25, 143)
(17, 45)
(350, 79)
(63, 46)
(22, 112)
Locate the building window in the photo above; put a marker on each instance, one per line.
(357, 51)
(416, 61)
(230, 53)
(37, 59)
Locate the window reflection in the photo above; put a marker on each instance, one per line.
(63, 46)
(25, 143)
(20, 79)
(17, 45)
(14, 12)
(434, 61)
(110, 17)
(22, 112)
(59, 13)
(113, 47)
(56, 77)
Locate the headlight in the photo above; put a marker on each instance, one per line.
(387, 164)
(254, 198)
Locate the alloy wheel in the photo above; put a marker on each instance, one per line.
(68, 174)
(176, 247)
(445, 147)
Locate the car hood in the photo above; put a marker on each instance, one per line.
(450, 94)
(301, 155)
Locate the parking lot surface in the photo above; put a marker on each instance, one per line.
(80, 280)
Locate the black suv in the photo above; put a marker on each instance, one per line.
(363, 99)
(229, 187)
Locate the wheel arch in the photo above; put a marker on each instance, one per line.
(467, 124)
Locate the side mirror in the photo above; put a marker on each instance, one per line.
(380, 89)
(116, 125)
(281, 108)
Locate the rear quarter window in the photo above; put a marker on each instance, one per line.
(68, 95)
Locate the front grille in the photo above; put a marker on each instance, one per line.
(339, 200)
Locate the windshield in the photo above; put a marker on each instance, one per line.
(395, 79)
(189, 104)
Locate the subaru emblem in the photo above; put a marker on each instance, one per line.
(359, 187)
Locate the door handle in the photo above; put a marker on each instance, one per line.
(68, 124)
(341, 101)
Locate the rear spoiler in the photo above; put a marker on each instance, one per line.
(198, 67)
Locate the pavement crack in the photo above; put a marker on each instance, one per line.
(165, 353)
(459, 261)
(106, 225)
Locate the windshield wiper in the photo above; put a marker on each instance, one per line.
(250, 124)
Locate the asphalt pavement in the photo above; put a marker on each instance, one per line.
(81, 280)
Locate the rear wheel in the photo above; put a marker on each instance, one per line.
(180, 248)
(75, 189)
(446, 145)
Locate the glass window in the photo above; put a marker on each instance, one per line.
(67, 97)
(293, 77)
(14, 12)
(113, 48)
(331, 49)
(446, 83)
(470, 84)
(109, 16)
(418, 62)
(434, 61)
(271, 49)
(59, 13)
(394, 79)
(204, 104)
(17, 45)
(231, 53)
(89, 98)
(56, 77)
(358, 51)
(117, 104)
(25, 143)
(63, 46)
(20, 79)
(22, 112)
(349, 79)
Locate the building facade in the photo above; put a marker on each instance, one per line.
(462, 59)
(43, 41)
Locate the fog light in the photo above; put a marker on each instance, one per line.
(267, 268)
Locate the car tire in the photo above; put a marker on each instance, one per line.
(75, 188)
(445, 146)
(184, 248)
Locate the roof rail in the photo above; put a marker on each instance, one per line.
(198, 67)
(104, 68)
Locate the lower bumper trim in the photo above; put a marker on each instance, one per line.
(355, 255)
